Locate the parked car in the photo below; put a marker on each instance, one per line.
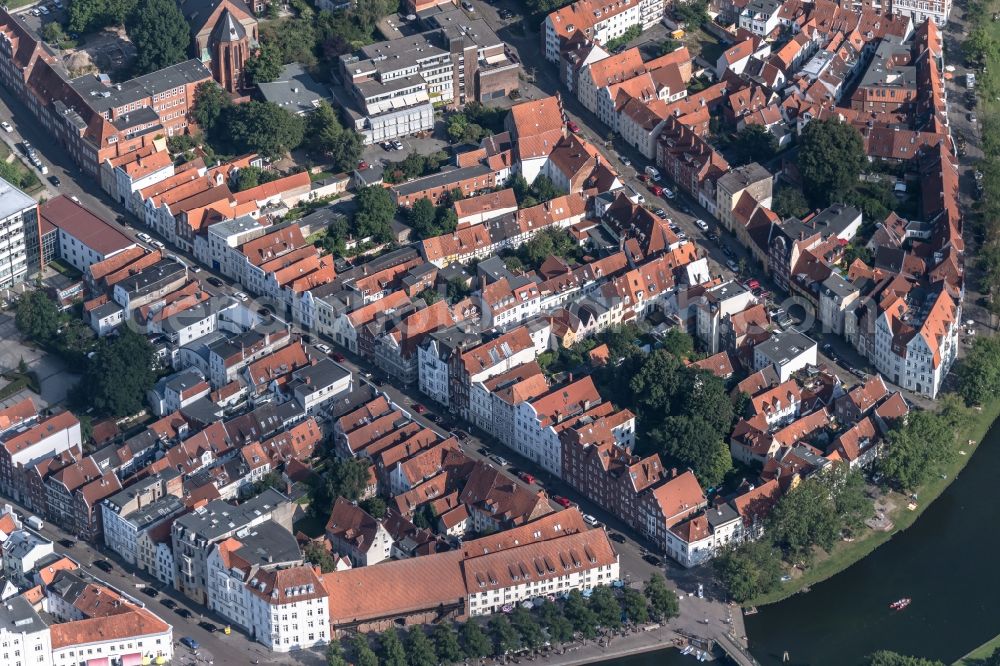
(526, 477)
(418, 408)
(505, 14)
(562, 501)
(589, 519)
(655, 189)
(67, 543)
(659, 212)
(643, 178)
(339, 358)
(214, 281)
(157, 244)
(325, 348)
(397, 144)
(573, 127)
(732, 265)
(169, 603)
(500, 460)
(467, 6)
(104, 566)
(652, 559)
(189, 642)
(208, 626)
(617, 538)
(195, 269)
(184, 613)
(240, 296)
(701, 224)
(624, 160)
(151, 591)
(386, 145)
(652, 172)
(6, 127)
(668, 193)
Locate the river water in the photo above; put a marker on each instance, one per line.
(946, 562)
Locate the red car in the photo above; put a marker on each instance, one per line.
(642, 177)
(562, 501)
(573, 127)
(338, 357)
(527, 478)
(655, 189)
(753, 284)
(418, 408)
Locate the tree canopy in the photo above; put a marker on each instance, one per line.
(979, 371)
(753, 143)
(264, 66)
(374, 213)
(118, 375)
(93, 15)
(917, 449)
(831, 156)
(258, 127)
(37, 316)
(327, 136)
(790, 202)
(159, 32)
(749, 570)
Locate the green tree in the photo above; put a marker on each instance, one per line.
(345, 478)
(580, 614)
(335, 654)
(421, 650)
(980, 46)
(678, 343)
(475, 643)
(545, 189)
(527, 627)
(315, 553)
(329, 137)
(210, 102)
(374, 212)
(375, 506)
(635, 606)
(446, 643)
(695, 444)
(505, 639)
(262, 127)
(978, 372)
(887, 658)
(364, 655)
(421, 217)
(790, 202)
(915, 450)
(93, 15)
(551, 616)
(802, 519)
(831, 156)
(393, 652)
(53, 33)
(160, 34)
(693, 13)
(663, 603)
(119, 375)
(749, 570)
(37, 316)
(753, 143)
(264, 66)
(850, 500)
(606, 607)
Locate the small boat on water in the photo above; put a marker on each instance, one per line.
(900, 604)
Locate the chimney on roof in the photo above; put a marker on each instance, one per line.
(673, 472)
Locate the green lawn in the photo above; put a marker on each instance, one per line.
(981, 652)
(701, 43)
(845, 554)
(65, 269)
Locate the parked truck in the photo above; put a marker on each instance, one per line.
(35, 522)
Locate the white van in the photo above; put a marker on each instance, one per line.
(35, 522)
(653, 173)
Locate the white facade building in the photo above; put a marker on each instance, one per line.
(18, 212)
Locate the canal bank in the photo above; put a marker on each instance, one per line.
(940, 555)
